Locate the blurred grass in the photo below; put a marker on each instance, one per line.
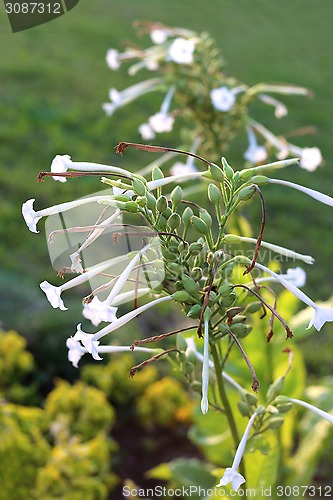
(54, 79)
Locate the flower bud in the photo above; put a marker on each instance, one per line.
(162, 223)
(228, 300)
(246, 174)
(284, 408)
(162, 204)
(260, 179)
(195, 248)
(223, 328)
(157, 174)
(175, 269)
(253, 307)
(151, 201)
(240, 330)
(246, 193)
(190, 285)
(141, 201)
(244, 409)
(214, 194)
(216, 172)
(275, 423)
(199, 225)
(227, 169)
(139, 187)
(251, 398)
(233, 311)
(231, 238)
(274, 389)
(195, 311)
(196, 273)
(187, 214)
(174, 221)
(180, 296)
(260, 410)
(122, 197)
(131, 206)
(181, 342)
(176, 196)
(225, 290)
(205, 216)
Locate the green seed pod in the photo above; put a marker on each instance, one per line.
(274, 389)
(176, 196)
(199, 225)
(231, 238)
(214, 194)
(139, 187)
(275, 423)
(253, 307)
(141, 201)
(195, 311)
(187, 215)
(246, 174)
(196, 273)
(157, 174)
(251, 398)
(205, 216)
(284, 408)
(240, 330)
(244, 409)
(131, 206)
(151, 201)
(246, 193)
(216, 172)
(190, 285)
(225, 290)
(180, 296)
(227, 169)
(195, 248)
(260, 179)
(228, 300)
(240, 318)
(162, 204)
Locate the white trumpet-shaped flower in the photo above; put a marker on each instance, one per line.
(205, 369)
(32, 217)
(128, 317)
(180, 168)
(310, 158)
(159, 35)
(87, 341)
(174, 179)
(231, 474)
(53, 293)
(146, 132)
(323, 198)
(222, 98)
(254, 152)
(181, 51)
(163, 121)
(296, 276)
(280, 108)
(63, 163)
(321, 315)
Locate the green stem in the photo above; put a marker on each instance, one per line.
(225, 402)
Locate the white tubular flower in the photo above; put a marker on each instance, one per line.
(280, 109)
(323, 198)
(159, 35)
(191, 347)
(32, 217)
(146, 132)
(280, 144)
(308, 406)
(310, 158)
(75, 351)
(88, 342)
(254, 153)
(295, 276)
(181, 51)
(112, 59)
(275, 248)
(321, 315)
(205, 369)
(222, 98)
(128, 317)
(180, 168)
(173, 178)
(231, 475)
(162, 121)
(128, 95)
(53, 293)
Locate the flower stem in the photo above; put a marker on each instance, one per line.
(225, 402)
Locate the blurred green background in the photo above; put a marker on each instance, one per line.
(53, 81)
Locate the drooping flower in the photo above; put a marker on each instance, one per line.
(296, 276)
(88, 342)
(181, 51)
(159, 35)
(323, 198)
(162, 121)
(59, 165)
(321, 315)
(97, 311)
(112, 59)
(231, 475)
(254, 153)
(280, 108)
(222, 98)
(310, 158)
(308, 406)
(205, 369)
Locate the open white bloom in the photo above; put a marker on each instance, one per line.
(112, 59)
(98, 311)
(222, 98)
(280, 109)
(53, 293)
(159, 35)
(323, 198)
(321, 413)
(32, 217)
(310, 158)
(146, 132)
(59, 165)
(231, 475)
(181, 51)
(205, 369)
(88, 342)
(254, 152)
(161, 122)
(75, 351)
(321, 315)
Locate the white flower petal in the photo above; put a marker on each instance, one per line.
(97, 311)
(112, 59)
(146, 132)
(320, 316)
(311, 159)
(60, 164)
(255, 154)
(161, 122)
(88, 342)
(181, 51)
(53, 295)
(222, 98)
(30, 216)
